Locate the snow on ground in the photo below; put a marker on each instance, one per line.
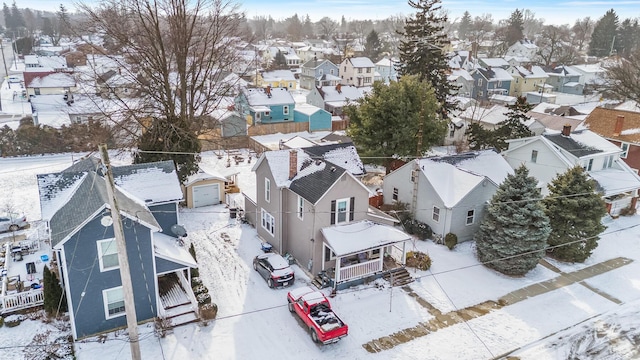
(254, 322)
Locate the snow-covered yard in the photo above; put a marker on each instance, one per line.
(253, 320)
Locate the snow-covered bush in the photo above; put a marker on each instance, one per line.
(13, 320)
(451, 240)
(204, 298)
(418, 260)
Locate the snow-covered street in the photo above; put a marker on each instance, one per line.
(572, 321)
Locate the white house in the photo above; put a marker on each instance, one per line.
(357, 71)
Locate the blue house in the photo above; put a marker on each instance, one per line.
(318, 72)
(265, 105)
(76, 207)
(490, 81)
(565, 79)
(318, 119)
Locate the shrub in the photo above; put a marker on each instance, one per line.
(200, 289)
(204, 298)
(208, 311)
(418, 260)
(451, 240)
(194, 273)
(415, 227)
(13, 320)
(195, 281)
(1, 321)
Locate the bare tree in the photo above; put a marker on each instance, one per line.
(623, 78)
(582, 30)
(174, 52)
(327, 27)
(555, 45)
(262, 27)
(531, 25)
(392, 26)
(481, 27)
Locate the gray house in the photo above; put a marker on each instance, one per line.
(565, 79)
(448, 193)
(305, 205)
(75, 204)
(334, 98)
(318, 72)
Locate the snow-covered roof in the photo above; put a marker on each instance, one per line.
(307, 109)
(277, 96)
(449, 182)
(346, 92)
(54, 80)
(494, 62)
(493, 115)
(361, 62)
(277, 75)
(486, 162)
(355, 237)
(151, 183)
(455, 73)
(616, 180)
(167, 247)
(58, 192)
(298, 142)
(346, 157)
(203, 175)
(279, 164)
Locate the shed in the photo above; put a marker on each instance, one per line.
(204, 189)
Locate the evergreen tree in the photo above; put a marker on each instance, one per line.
(279, 61)
(515, 28)
(8, 20)
(16, 14)
(294, 28)
(604, 33)
(575, 211)
(170, 140)
(63, 21)
(465, 26)
(628, 38)
(422, 51)
(512, 128)
(373, 46)
(514, 231)
(388, 121)
(53, 293)
(307, 28)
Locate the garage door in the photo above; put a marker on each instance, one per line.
(206, 195)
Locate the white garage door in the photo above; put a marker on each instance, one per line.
(206, 195)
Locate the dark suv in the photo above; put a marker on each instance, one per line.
(274, 269)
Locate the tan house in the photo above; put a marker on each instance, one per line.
(49, 83)
(357, 71)
(526, 79)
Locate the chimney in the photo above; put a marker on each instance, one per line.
(566, 130)
(339, 88)
(619, 123)
(267, 90)
(293, 164)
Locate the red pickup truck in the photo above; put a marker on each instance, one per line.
(315, 310)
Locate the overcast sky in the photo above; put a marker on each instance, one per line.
(553, 11)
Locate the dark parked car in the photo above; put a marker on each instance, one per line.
(274, 269)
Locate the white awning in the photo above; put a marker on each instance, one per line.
(167, 248)
(364, 235)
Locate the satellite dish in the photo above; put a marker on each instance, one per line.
(106, 221)
(178, 230)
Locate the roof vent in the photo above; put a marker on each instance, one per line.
(333, 169)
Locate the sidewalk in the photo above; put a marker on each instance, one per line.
(441, 320)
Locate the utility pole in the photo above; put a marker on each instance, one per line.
(123, 259)
(6, 72)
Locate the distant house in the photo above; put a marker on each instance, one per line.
(490, 81)
(268, 105)
(357, 71)
(548, 155)
(335, 98)
(463, 80)
(448, 193)
(75, 205)
(501, 63)
(523, 48)
(318, 72)
(622, 128)
(591, 75)
(49, 83)
(526, 79)
(306, 206)
(565, 79)
(308, 53)
(279, 78)
(35, 63)
(113, 84)
(385, 70)
(318, 118)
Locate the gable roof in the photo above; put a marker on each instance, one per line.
(277, 96)
(603, 121)
(485, 162)
(495, 74)
(48, 80)
(582, 143)
(494, 62)
(277, 75)
(451, 183)
(344, 155)
(360, 62)
(68, 200)
(315, 63)
(340, 93)
(152, 183)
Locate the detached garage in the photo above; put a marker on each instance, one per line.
(204, 189)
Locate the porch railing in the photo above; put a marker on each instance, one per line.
(359, 270)
(22, 300)
(187, 289)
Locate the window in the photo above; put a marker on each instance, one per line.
(590, 165)
(331, 71)
(452, 132)
(300, 207)
(113, 302)
(625, 150)
(368, 70)
(290, 85)
(267, 190)
(320, 71)
(108, 254)
(367, 79)
(534, 156)
(329, 254)
(345, 69)
(285, 110)
(36, 91)
(342, 210)
(499, 83)
(479, 82)
(436, 214)
(266, 113)
(395, 194)
(610, 161)
(359, 70)
(413, 175)
(470, 216)
(268, 222)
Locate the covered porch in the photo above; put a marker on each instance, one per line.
(361, 250)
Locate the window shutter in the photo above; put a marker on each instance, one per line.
(352, 204)
(333, 212)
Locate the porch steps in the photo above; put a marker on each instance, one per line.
(175, 296)
(181, 315)
(401, 277)
(178, 309)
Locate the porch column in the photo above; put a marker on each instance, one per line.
(337, 275)
(404, 253)
(382, 258)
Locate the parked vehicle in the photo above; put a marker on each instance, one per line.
(315, 311)
(274, 269)
(12, 221)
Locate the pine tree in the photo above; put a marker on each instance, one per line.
(515, 27)
(513, 128)
(604, 33)
(8, 19)
(575, 211)
(16, 14)
(387, 121)
(465, 26)
(373, 46)
(53, 293)
(513, 234)
(422, 51)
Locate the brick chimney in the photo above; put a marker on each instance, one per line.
(267, 90)
(293, 164)
(566, 130)
(619, 123)
(339, 88)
